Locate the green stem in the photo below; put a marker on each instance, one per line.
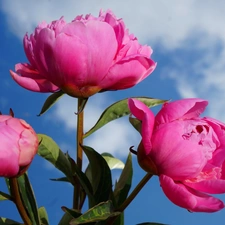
(134, 193)
(80, 119)
(18, 201)
(131, 197)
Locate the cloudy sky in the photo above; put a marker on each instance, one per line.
(188, 40)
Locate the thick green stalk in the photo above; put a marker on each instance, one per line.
(18, 201)
(80, 124)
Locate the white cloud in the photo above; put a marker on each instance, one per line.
(116, 137)
(166, 22)
(188, 26)
(203, 78)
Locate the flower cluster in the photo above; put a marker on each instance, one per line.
(96, 54)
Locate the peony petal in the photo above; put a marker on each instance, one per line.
(188, 198)
(9, 153)
(215, 186)
(28, 48)
(181, 109)
(176, 155)
(143, 113)
(28, 144)
(118, 26)
(88, 54)
(31, 79)
(128, 72)
(219, 138)
(27, 139)
(9, 166)
(3, 118)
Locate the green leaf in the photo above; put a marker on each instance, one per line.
(123, 185)
(50, 151)
(50, 101)
(65, 219)
(43, 216)
(7, 184)
(4, 221)
(118, 110)
(4, 196)
(100, 212)
(100, 179)
(74, 213)
(135, 123)
(151, 223)
(113, 162)
(62, 179)
(83, 179)
(27, 196)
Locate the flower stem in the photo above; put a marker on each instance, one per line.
(18, 201)
(131, 197)
(134, 193)
(80, 119)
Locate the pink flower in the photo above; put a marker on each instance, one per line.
(19, 144)
(186, 152)
(83, 57)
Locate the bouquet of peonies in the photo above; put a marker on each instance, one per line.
(87, 56)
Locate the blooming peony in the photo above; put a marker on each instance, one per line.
(186, 152)
(83, 57)
(19, 144)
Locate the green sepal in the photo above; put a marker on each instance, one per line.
(82, 104)
(100, 212)
(7, 184)
(50, 151)
(118, 110)
(50, 101)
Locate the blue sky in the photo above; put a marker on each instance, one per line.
(188, 40)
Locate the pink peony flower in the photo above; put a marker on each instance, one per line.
(83, 57)
(186, 152)
(19, 144)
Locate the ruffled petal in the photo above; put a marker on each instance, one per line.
(216, 186)
(31, 79)
(143, 113)
(219, 138)
(128, 72)
(188, 198)
(88, 54)
(181, 109)
(175, 153)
